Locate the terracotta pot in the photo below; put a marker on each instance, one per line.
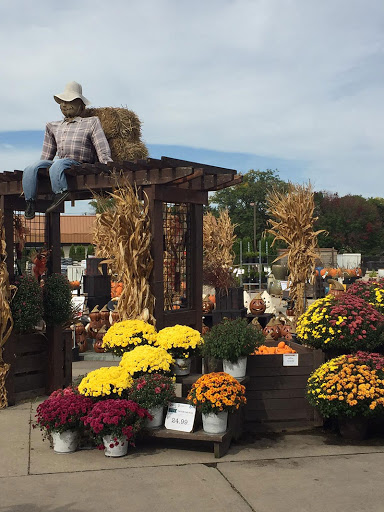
(205, 329)
(207, 306)
(79, 329)
(104, 318)
(82, 343)
(257, 305)
(94, 316)
(272, 331)
(115, 317)
(97, 346)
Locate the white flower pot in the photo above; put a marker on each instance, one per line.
(215, 423)
(158, 416)
(182, 366)
(115, 451)
(65, 442)
(238, 369)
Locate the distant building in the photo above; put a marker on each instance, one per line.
(75, 230)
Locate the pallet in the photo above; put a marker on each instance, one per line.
(221, 442)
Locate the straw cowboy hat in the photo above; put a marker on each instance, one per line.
(72, 91)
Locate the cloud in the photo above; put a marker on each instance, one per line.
(298, 81)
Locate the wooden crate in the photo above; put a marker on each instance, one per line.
(29, 375)
(276, 393)
(233, 299)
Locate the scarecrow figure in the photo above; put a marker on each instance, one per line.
(74, 140)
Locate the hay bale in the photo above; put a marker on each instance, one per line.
(122, 128)
(121, 149)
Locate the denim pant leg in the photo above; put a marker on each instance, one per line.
(30, 178)
(57, 176)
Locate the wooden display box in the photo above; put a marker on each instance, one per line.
(30, 371)
(276, 393)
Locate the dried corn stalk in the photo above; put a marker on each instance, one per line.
(6, 321)
(218, 238)
(292, 221)
(122, 236)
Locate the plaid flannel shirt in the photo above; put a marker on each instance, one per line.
(81, 139)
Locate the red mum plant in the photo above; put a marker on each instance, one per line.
(343, 325)
(62, 411)
(372, 359)
(152, 390)
(120, 419)
(370, 291)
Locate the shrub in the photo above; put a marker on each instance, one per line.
(57, 297)
(27, 304)
(231, 339)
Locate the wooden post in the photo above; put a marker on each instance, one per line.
(196, 279)
(56, 354)
(52, 240)
(157, 278)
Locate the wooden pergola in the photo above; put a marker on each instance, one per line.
(176, 189)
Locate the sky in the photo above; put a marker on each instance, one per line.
(293, 85)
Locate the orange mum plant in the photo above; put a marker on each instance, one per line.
(217, 392)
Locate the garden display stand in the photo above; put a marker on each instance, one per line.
(276, 394)
(176, 191)
(221, 442)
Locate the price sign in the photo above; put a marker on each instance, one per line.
(180, 417)
(290, 359)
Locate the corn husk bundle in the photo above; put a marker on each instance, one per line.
(292, 222)
(122, 128)
(218, 255)
(122, 236)
(6, 321)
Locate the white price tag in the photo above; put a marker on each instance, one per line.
(290, 359)
(180, 417)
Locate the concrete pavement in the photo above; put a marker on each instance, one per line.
(310, 471)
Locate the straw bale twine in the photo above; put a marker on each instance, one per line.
(122, 128)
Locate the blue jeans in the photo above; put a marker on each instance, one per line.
(56, 175)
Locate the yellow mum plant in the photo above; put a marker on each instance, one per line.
(111, 382)
(216, 392)
(146, 359)
(128, 334)
(180, 340)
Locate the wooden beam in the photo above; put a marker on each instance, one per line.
(197, 173)
(178, 195)
(236, 181)
(210, 169)
(15, 204)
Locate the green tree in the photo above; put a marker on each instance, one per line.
(90, 250)
(102, 203)
(238, 199)
(80, 253)
(72, 252)
(353, 223)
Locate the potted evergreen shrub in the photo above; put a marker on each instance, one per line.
(232, 341)
(26, 305)
(57, 298)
